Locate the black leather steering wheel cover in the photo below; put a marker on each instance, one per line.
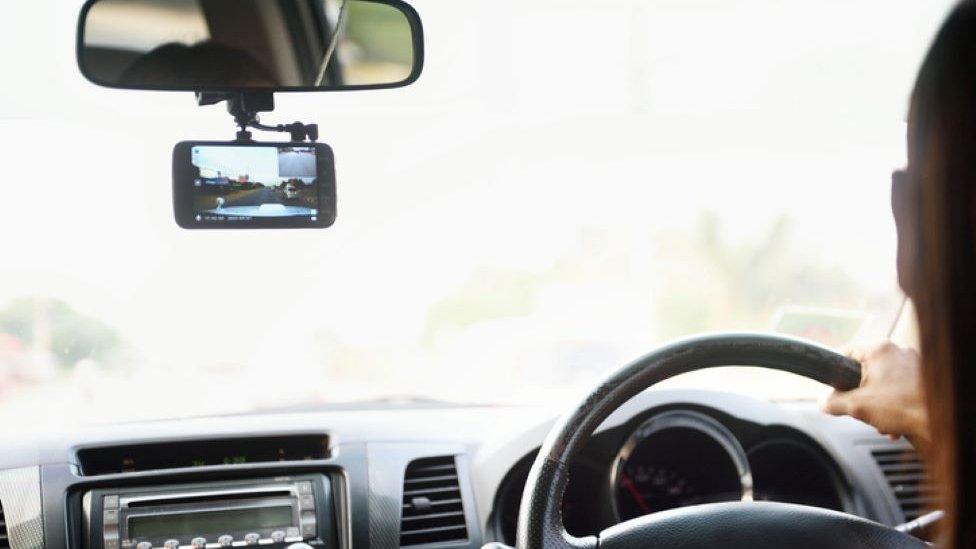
(540, 523)
(755, 524)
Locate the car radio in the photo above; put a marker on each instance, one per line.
(267, 512)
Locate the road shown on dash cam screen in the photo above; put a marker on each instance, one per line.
(259, 202)
(255, 197)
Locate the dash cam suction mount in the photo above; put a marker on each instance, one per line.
(245, 107)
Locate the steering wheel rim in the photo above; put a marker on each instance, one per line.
(540, 524)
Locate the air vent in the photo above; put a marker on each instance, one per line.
(432, 507)
(909, 482)
(4, 540)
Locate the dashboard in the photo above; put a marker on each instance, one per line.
(432, 475)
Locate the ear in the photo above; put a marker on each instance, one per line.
(904, 206)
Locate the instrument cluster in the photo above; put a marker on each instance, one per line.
(680, 457)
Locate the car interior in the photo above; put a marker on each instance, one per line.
(707, 434)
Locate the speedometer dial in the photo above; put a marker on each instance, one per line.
(676, 459)
(653, 488)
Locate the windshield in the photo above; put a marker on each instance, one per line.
(568, 185)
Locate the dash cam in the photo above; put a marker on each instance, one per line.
(251, 185)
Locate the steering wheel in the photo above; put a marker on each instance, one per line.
(716, 525)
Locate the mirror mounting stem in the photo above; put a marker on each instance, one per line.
(245, 106)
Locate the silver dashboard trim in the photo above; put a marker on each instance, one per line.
(20, 495)
(683, 419)
(163, 496)
(340, 498)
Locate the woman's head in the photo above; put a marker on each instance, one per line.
(934, 202)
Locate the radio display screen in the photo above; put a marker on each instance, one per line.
(209, 522)
(199, 453)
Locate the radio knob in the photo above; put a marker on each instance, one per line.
(198, 543)
(252, 538)
(225, 540)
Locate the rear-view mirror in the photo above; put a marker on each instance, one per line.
(250, 45)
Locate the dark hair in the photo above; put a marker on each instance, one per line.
(942, 168)
(205, 64)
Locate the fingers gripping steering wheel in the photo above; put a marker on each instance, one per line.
(713, 526)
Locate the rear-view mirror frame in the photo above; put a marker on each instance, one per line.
(417, 37)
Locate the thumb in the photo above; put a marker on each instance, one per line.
(837, 403)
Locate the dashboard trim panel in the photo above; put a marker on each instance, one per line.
(20, 496)
(487, 440)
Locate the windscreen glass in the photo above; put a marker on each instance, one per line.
(569, 185)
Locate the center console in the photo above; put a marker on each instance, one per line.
(272, 512)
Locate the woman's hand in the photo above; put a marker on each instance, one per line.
(890, 395)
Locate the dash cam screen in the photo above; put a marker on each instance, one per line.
(234, 184)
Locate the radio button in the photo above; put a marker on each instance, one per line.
(252, 538)
(110, 543)
(110, 517)
(144, 545)
(171, 544)
(277, 536)
(292, 531)
(111, 502)
(225, 540)
(198, 543)
(304, 488)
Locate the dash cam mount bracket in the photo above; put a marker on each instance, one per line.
(245, 107)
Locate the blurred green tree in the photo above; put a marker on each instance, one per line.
(56, 327)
